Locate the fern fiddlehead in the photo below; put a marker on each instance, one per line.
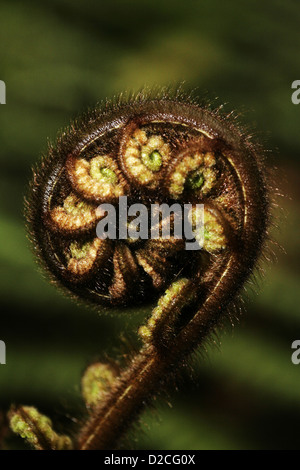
(167, 150)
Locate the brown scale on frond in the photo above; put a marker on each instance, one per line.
(126, 274)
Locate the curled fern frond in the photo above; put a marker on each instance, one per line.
(164, 149)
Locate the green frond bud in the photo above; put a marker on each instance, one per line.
(96, 382)
(36, 429)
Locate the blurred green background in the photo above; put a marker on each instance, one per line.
(58, 58)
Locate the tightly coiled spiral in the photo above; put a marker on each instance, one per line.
(154, 151)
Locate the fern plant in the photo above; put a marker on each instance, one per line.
(161, 148)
